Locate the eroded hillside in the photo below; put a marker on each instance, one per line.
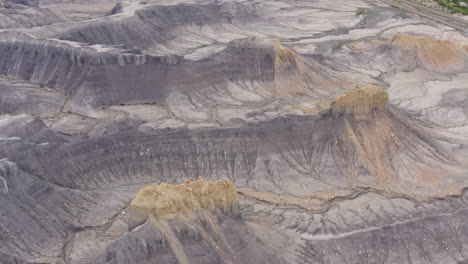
(232, 132)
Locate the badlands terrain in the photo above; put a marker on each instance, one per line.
(222, 131)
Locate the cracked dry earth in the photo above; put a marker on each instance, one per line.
(218, 131)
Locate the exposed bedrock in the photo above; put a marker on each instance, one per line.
(290, 73)
(88, 77)
(25, 2)
(384, 149)
(363, 100)
(372, 228)
(436, 55)
(206, 131)
(196, 222)
(405, 52)
(37, 216)
(32, 130)
(20, 97)
(362, 141)
(91, 77)
(152, 28)
(191, 239)
(439, 238)
(166, 201)
(19, 14)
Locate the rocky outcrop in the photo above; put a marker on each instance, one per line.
(362, 100)
(167, 200)
(406, 52)
(195, 222)
(434, 54)
(284, 72)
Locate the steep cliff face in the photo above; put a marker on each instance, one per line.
(79, 71)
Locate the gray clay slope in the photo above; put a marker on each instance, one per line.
(344, 126)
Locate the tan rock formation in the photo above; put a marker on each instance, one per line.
(362, 100)
(286, 72)
(434, 54)
(179, 223)
(295, 76)
(167, 200)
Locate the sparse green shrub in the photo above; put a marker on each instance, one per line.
(453, 5)
(360, 11)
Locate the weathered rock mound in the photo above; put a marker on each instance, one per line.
(286, 72)
(433, 54)
(408, 52)
(362, 100)
(195, 222)
(167, 200)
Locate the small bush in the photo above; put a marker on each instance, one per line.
(360, 11)
(453, 6)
